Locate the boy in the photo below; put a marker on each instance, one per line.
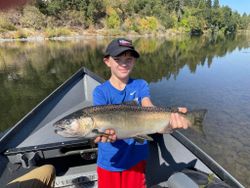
(121, 163)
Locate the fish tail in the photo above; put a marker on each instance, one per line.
(196, 117)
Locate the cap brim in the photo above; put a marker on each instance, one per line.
(119, 51)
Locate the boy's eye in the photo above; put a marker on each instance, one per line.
(116, 59)
(123, 60)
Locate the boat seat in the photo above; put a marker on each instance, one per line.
(181, 180)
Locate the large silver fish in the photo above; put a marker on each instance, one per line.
(127, 120)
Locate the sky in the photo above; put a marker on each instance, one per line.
(240, 6)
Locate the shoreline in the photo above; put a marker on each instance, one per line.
(41, 36)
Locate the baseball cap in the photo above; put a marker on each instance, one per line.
(120, 45)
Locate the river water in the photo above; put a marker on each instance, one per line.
(211, 73)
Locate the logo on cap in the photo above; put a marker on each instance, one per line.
(125, 43)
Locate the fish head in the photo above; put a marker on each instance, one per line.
(74, 127)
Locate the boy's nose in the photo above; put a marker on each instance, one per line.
(124, 62)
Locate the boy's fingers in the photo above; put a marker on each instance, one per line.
(177, 121)
(97, 139)
(112, 131)
(109, 136)
(104, 139)
(182, 109)
(113, 138)
(173, 121)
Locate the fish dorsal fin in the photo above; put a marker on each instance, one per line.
(130, 103)
(142, 138)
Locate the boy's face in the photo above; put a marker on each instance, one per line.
(122, 65)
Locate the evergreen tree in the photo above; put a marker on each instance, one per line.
(209, 4)
(216, 4)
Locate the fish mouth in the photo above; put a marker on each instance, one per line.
(62, 131)
(59, 126)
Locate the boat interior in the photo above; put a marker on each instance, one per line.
(174, 160)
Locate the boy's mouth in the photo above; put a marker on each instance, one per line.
(124, 69)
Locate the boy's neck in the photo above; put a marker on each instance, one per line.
(118, 83)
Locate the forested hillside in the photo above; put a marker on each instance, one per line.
(67, 17)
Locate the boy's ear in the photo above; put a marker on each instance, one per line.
(106, 61)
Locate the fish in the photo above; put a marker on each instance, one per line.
(128, 121)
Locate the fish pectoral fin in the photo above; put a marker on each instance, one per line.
(142, 138)
(99, 133)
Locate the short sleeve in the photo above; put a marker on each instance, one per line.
(98, 97)
(144, 91)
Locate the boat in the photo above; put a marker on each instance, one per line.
(174, 160)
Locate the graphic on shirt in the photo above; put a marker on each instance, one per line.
(132, 93)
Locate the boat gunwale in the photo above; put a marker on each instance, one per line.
(46, 147)
(80, 73)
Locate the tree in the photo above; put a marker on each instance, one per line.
(179, 9)
(113, 19)
(209, 4)
(216, 4)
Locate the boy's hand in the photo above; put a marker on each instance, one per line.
(182, 109)
(177, 121)
(109, 137)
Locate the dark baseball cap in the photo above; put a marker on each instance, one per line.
(120, 45)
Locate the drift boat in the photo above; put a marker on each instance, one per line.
(174, 161)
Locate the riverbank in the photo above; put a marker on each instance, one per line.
(65, 34)
(69, 34)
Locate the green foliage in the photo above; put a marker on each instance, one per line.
(95, 10)
(142, 25)
(74, 18)
(57, 32)
(32, 18)
(244, 22)
(152, 23)
(51, 7)
(113, 20)
(169, 21)
(209, 4)
(5, 24)
(216, 4)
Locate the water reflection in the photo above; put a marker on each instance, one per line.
(194, 72)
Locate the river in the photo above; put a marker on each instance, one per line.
(211, 73)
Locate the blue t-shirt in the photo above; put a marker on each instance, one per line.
(122, 154)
